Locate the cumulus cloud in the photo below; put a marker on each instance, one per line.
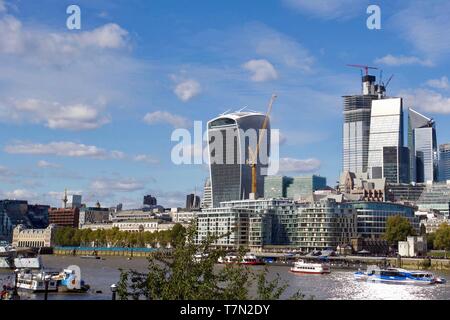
(328, 9)
(20, 194)
(61, 148)
(298, 165)
(15, 39)
(46, 164)
(166, 117)
(53, 114)
(262, 70)
(427, 100)
(145, 158)
(426, 26)
(187, 89)
(116, 185)
(391, 60)
(441, 83)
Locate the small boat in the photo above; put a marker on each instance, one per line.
(90, 257)
(301, 266)
(396, 276)
(229, 258)
(35, 281)
(251, 260)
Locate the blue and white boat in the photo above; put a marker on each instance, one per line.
(396, 276)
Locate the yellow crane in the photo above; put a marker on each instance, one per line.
(253, 155)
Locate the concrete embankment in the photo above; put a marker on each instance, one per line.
(104, 252)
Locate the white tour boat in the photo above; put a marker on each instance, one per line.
(35, 282)
(302, 266)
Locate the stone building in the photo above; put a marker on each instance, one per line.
(33, 238)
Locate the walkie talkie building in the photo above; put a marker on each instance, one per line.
(229, 138)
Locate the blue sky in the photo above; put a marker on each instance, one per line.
(93, 110)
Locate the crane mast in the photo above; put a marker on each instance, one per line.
(254, 154)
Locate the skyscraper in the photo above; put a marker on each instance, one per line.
(386, 130)
(444, 162)
(356, 126)
(192, 202)
(422, 144)
(230, 136)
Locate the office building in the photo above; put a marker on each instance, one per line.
(192, 202)
(302, 188)
(207, 195)
(93, 215)
(372, 216)
(386, 130)
(64, 217)
(396, 164)
(231, 138)
(149, 200)
(435, 197)
(404, 192)
(74, 201)
(276, 186)
(422, 144)
(356, 127)
(444, 162)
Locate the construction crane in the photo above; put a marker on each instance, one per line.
(253, 155)
(366, 68)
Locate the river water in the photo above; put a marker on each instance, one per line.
(100, 274)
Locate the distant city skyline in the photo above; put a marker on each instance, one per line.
(92, 110)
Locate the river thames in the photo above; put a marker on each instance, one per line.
(339, 285)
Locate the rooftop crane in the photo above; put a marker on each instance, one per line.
(366, 68)
(253, 155)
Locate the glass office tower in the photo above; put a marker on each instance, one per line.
(444, 162)
(356, 127)
(386, 130)
(229, 139)
(422, 144)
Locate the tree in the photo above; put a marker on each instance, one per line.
(442, 237)
(398, 228)
(185, 276)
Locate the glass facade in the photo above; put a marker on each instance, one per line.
(372, 216)
(396, 164)
(356, 129)
(275, 186)
(422, 143)
(444, 162)
(436, 196)
(229, 145)
(386, 130)
(303, 187)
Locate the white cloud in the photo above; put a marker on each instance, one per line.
(15, 39)
(426, 26)
(327, 9)
(20, 194)
(441, 83)
(53, 114)
(62, 148)
(166, 117)
(145, 158)
(298, 165)
(46, 164)
(391, 60)
(426, 100)
(187, 89)
(102, 186)
(262, 70)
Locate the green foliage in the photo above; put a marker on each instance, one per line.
(66, 236)
(442, 237)
(398, 228)
(185, 275)
(430, 240)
